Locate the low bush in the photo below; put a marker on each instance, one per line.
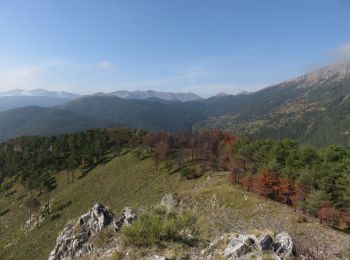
(190, 173)
(103, 238)
(55, 216)
(156, 227)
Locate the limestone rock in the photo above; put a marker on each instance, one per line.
(96, 219)
(231, 246)
(238, 247)
(283, 245)
(128, 215)
(168, 202)
(265, 242)
(73, 242)
(157, 257)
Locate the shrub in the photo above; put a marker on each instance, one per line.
(103, 238)
(156, 227)
(190, 173)
(56, 216)
(301, 219)
(117, 256)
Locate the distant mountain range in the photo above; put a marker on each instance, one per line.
(40, 97)
(314, 108)
(183, 97)
(38, 93)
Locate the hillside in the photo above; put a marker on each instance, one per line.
(128, 181)
(311, 109)
(152, 115)
(10, 102)
(44, 121)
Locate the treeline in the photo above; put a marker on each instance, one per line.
(314, 181)
(33, 161)
(180, 152)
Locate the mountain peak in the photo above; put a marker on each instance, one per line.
(329, 74)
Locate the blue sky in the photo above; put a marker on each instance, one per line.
(201, 46)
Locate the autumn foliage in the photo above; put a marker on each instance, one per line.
(280, 171)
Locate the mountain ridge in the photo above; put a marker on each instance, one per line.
(312, 109)
(170, 96)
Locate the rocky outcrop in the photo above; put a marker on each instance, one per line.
(232, 246)
(73, 242)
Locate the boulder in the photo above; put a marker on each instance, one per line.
(265, 242)
(283, 245)
(168, 202)
(238, 247)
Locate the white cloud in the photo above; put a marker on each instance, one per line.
(342, 53)
(104, 64)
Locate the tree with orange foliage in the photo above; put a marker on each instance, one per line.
(232, 178)
(285, 191)
(344, 220)
(247, 182)
(265, 183)
(329, 214)
(299, 195)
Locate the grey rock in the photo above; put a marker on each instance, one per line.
(73, 242)
(127, 217)
(168, 202)
(157, 257)
(283, 245)
(96, 219)
(265, 242)
(238, 247)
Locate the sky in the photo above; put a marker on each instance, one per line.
(200, 46)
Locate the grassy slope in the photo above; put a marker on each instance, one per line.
(126, 181)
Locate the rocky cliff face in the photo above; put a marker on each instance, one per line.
(74, 241)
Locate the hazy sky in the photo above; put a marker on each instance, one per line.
(202, 46)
